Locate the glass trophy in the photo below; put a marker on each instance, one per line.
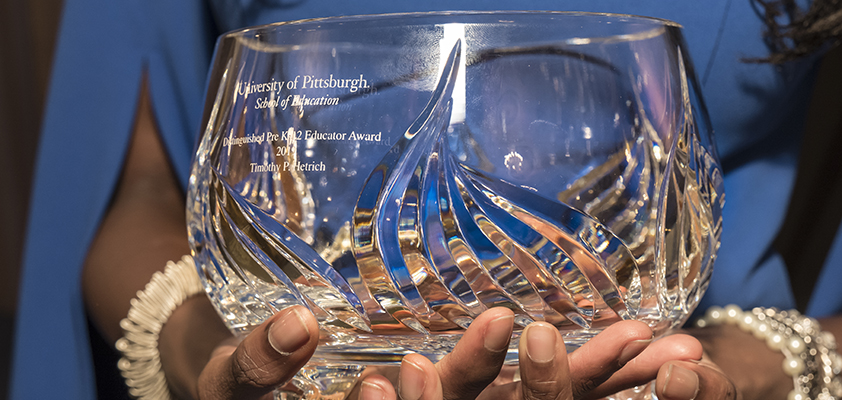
(399, 174)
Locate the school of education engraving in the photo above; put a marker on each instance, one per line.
(269, 94)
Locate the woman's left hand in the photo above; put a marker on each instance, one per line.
(618, 358)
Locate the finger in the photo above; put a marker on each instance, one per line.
(476, 360)
(685, 380)
(594, 363)
(645, 367)
(418, 379)
(387, 372)
(376, 387)
(544, 369)
(268, 357)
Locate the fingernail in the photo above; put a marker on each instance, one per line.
(371, 391)
(289, 332)
(412, 381)
(540, 343)
(681, 384)
(497, 334)
(632, 349)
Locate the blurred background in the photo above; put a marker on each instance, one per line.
(28, 34)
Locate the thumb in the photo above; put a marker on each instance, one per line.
(267, 358)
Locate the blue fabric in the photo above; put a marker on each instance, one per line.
(825, 299)
(104, 46)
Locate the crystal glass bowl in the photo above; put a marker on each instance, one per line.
(399, 174)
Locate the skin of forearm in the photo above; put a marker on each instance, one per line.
(144, 228)
(755, 370)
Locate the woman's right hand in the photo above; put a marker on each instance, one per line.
(267, 358)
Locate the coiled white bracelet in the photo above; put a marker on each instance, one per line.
(811, 357)
(141, 362)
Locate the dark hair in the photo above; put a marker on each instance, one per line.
(806, 30)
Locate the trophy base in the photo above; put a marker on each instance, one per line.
(322, 382)
(643, 392)
(337, 365)
(335, 382)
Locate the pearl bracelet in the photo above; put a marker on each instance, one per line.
(811, 357)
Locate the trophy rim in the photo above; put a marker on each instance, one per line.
(455, 16)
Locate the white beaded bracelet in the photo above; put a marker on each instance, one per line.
(810, 354)
(141, 362)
